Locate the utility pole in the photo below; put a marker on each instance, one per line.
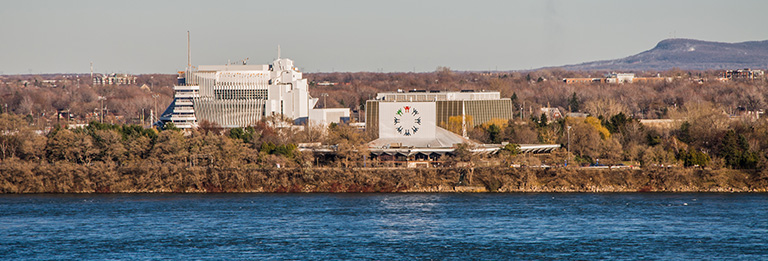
(568, 128)
(154, 106)
(325, 100)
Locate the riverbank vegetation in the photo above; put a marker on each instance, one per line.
(129, 158)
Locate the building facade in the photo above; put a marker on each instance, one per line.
(743, 74)
(239, 95)
(114, 79)
(616, 78)
(478, 107)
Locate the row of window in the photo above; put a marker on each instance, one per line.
(240, 94)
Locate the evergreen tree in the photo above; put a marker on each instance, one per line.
(493, 133)
(685, 132)
(515, 102)
(735, 150)
(574, 103)
(693, 157)
(543, 120)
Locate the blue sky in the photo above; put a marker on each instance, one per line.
(324, 36)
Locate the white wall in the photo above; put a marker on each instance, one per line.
(327, 115)
(407, 120)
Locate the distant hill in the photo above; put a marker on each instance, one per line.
(686, 54)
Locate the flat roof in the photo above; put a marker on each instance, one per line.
(233, 67)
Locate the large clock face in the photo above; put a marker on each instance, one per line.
(407, 120)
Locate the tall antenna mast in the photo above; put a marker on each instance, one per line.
(278, 52)
(189, 53)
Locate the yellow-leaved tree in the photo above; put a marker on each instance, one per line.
(454, 124)
(595, 123)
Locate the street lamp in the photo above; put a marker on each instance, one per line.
(569, 138)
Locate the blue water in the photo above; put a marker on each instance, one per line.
(385, 226)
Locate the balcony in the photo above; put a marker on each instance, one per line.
(186, 95)
(186, 88)
(177, 118)
(183, 110)
(183, 103)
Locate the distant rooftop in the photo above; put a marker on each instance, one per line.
(234, 67)
(442, 139)
(436, 95)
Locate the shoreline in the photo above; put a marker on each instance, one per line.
(163, 178)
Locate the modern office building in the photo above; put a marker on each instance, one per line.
(240, 95)
(408, 131)
(478, 107)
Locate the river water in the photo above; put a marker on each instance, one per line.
(385, 226)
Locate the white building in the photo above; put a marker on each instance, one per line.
(327, 116)
(240, 95)
(620, 78)
(114, 79)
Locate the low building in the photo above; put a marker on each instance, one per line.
(409, 131)
(478, 107)
(743, 74)
(620, 78)
(326, 116)
(617, 78)
(657, 79)
(583, 80)
(114, 79)
(553, 114)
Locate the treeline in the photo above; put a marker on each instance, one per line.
(698, 135)
(47, 100)
(130, 158)
(111, 157)
(39, 100)
(544, 88)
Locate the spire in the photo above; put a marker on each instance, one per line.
(278, 52)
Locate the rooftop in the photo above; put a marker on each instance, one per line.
(436, 95)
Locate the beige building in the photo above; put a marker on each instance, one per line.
(480, 107)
